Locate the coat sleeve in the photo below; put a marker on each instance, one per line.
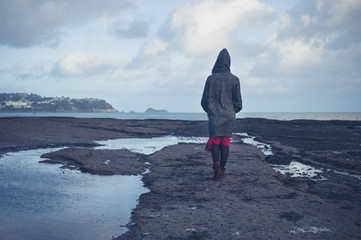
(237, 97)
(204, 101)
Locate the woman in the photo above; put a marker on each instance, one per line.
(221, 101)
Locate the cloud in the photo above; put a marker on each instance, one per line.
(295, 52)
(78, 65)
(328, 21)
(33, 22)
(150, 55)
(317, 46)
(191, 37)
(156, 68)
(135, 29)
(82, 65)
(22, 72)
(201, 27)
(309, 54)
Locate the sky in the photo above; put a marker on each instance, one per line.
(290, 56)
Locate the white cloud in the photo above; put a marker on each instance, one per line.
(155, 47)
(297, 53)
(314, 44)
(135, 29)
(22, 72)
(151, 56)
(339, 11)
(309, 53)
(32, 22)
(253, 82)
(201, 27)
(313, 57)
(81, 65)
(321, 19)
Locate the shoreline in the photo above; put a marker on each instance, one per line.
(199, 116)
(184, 203)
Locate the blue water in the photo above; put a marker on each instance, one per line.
(200, 116)
(41, 201)
(148, 146)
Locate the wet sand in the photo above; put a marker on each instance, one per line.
(252, 202)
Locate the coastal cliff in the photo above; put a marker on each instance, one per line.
(24, 102)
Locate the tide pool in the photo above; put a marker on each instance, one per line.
(42, 201)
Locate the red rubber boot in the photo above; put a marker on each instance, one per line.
(217, 171)
(222, 172)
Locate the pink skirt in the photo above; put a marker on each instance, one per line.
(217, 140)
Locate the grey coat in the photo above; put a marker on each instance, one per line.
(221, 98)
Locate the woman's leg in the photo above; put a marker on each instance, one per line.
(215, 152)
(224, 151)
(216, 164)
(224, 155)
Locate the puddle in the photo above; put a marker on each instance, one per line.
(41, 201)
(316, 230)
(296, 169)
(265, 148)
(147, 146)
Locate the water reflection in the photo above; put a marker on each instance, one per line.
(42, 201)
(297, 169)
(247, 139)
(147, 145)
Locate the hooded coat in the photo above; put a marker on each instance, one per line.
(221, 98)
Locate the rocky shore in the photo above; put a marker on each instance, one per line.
(253, 201)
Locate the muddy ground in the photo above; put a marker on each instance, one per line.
(252, 202)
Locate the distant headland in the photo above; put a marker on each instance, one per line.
(24, 102)
(151, 110)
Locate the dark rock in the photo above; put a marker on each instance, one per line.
(101, 162)
(291, 216)
(281, 159)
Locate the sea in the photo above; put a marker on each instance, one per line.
(195, 116)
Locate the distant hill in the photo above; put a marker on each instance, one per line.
(24, 102)
(151, 110)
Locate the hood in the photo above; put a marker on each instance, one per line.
(223, 62)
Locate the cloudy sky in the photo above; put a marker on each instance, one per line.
(291, 55)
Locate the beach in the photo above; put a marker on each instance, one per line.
(253, 201)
